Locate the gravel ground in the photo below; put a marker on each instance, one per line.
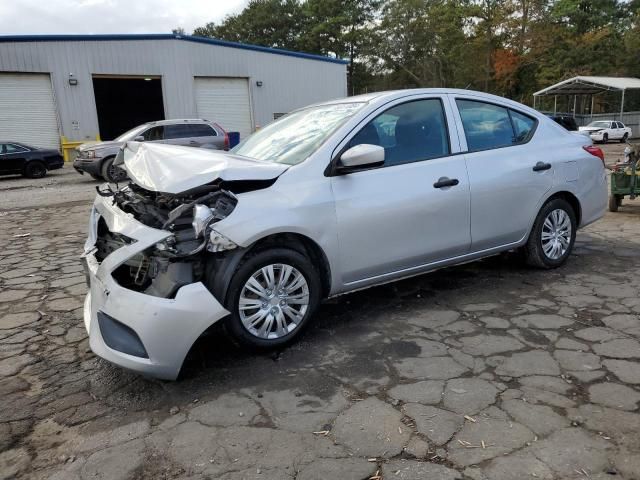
(485, 371)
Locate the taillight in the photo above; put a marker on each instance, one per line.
(226, 141)
(595, 151)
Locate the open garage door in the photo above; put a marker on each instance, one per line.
(27, 110)
(226, 102)
(126, 102)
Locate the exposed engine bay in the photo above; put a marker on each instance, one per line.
(180, 259)
(184, 191)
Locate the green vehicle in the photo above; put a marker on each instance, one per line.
(624, 178)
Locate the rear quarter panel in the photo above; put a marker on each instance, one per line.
(581, 174)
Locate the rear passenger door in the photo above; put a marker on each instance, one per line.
(508, 176)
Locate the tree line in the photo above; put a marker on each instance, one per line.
(508, 47)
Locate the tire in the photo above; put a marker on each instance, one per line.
(96, 177)
(35, 169)
(265, 320)
(613, 203)
(112, 173)
(624, 138)
(605, 138)
(536, 251)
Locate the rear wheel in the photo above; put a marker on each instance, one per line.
(35, 169)
(271, 297)
(553, 235)
(624, 138)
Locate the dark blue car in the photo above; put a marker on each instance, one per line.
(32, 162)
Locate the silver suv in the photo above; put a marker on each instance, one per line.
(97, 158)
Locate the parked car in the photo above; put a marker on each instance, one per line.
(605, 130)
(326, 200)
(32, 162)
(97, 158)
(567, 121)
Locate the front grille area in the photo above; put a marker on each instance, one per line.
(108, 242)
(133, 273)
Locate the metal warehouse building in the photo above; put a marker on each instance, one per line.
(56, 91)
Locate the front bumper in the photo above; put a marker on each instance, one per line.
(89, 165)
(597, 136)
(167, 327)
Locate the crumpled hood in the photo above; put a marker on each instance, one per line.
(174, 169)
(590, 129)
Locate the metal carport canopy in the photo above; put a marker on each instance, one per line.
(590, 86)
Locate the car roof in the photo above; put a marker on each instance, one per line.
(385, 96)
(178, 121)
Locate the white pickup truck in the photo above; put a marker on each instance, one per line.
(605, 130)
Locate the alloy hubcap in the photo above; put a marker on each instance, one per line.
(274, 301)
(556, 234)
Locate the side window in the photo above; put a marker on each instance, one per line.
(3, 148)
(11, 148)
(200, 130)
(154, 133)
(175, 131)
(408, 132)
(485, 125)
(523, 125)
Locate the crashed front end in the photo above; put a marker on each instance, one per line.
(147, 258)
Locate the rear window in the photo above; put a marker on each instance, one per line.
(488, 126)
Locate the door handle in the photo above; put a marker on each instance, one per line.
(446, 182)
(540, 166)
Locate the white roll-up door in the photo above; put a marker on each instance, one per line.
(27, 110)
(226, 102)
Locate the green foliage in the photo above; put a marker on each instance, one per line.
(509, 47)
(270, 23)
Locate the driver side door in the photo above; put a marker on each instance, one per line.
(396, 219)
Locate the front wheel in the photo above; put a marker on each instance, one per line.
(624, 138)
(552, 236)
(272, 295)
(112, 173)
(605, 138)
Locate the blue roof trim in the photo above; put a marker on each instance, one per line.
(165, 36)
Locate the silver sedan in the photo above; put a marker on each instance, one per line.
(328, 199)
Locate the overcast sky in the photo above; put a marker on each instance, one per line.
(110, 16)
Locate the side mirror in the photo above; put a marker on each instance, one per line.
(139, 138)
(363, 155)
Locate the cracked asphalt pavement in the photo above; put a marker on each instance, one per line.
(488, 370)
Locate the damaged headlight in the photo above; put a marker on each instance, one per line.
(166, 245)
(202, 216)
(219, 243)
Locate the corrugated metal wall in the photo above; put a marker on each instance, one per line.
(287, 82)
